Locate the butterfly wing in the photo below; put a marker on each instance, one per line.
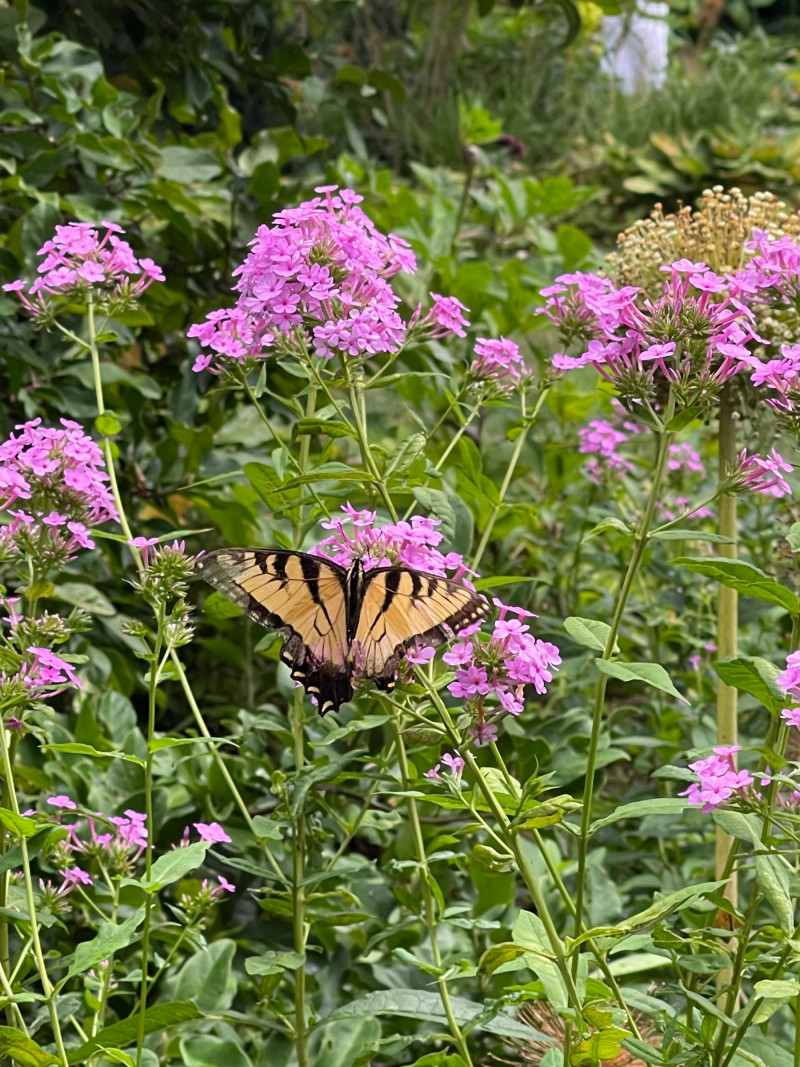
(401, 608)
(303, 598)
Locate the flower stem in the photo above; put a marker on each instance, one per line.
(299, 925)
(427, 897)
(101, 407)
(223, 770)
(727, 626)
(355, 393)
(44, 978)
(529, 876)
(152, 687)
(640, 545)
(527, 422)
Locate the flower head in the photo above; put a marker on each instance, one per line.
(79, 259)
(316, 280)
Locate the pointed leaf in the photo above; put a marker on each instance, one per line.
(652, 674)
(591, 633)
(745, 578)
(22, 1049)
(123, 1034)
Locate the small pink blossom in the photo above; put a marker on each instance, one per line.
(211, 831)
(62, 802)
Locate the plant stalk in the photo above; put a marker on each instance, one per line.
(727, 626)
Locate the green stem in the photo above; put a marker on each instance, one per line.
(44, 978)
(299, 925)
(727, 626)
(220, 763)
(527, 423)
(427, 898)
(510, 838)
(152, 688)
(355, 394)
(101, 407)
(640, 545)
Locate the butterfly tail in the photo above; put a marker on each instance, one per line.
(327, 683)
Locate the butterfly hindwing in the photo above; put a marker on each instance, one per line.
(299, 595)
(401, 608)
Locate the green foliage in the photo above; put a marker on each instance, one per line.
(381, 916)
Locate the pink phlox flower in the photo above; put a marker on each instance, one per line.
(74, 876)
(470, 682)
(497, 361)
(683, 457)
(433, 772)
(131, 828)
(77, 259)
(459, 654)
(225, 884)
(719, 779)
(144, 544)
(63, 802)
(789, 679)
(484, 733)
(763, 474)
(49, 669)
(447, 316)
(792, 716)
(420, 656)
(454, 762)
(212, 831)
(322, 268)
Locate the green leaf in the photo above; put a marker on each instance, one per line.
(124, 1033)
(772, 878)
(218, 606)
(652, 674)
(75, 748)
(640, 808)
(345, 1043)
(652, 916)
(172, 866)
(23, 1050)
(793, 537)
(207, 1050)
(273, 963)
(611, 523)
(110, 938)
(329, 427)
(426, 1006)
(207, 978)
(744, 578)
(753, 675)
(591, 633)
(19, 825)
(677, 534)
(85, 596)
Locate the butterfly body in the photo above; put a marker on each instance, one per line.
(338, 620)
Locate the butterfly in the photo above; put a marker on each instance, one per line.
(336, 620)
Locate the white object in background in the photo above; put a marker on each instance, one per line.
(637, 46)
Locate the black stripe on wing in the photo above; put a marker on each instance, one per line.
(302, 597)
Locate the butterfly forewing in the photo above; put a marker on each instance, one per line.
(402, 607)
(300, 596)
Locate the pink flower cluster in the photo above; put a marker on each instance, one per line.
(491, 675)
(59, 475)
(77, 259)
(497, 363)
(682, 457)
(763, 474)
(695, 336)
(601, 439)
(719, 779)
(454, 762)
(116, 849)
(321, 267)
(316, 280)
(491, 672)
(411, 544)
(47, 670)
